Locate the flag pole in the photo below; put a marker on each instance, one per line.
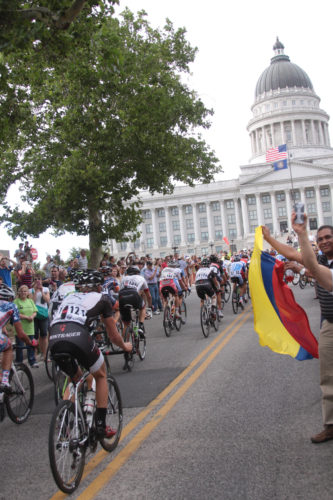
(291, 177)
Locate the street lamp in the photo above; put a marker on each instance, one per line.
(174, 249)
(211, 243)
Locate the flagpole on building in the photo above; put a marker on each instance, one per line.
(291, 177)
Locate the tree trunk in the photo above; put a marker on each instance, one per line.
(95, 243)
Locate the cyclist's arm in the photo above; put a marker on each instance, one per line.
(114, 335)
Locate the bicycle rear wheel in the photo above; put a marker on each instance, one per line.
(19, 403)
(129, 356)
(204, 320)
(114, 415)
(183, 311)
(167, 322)
(213, 318)
(60, 385)
(48, 364)
(235, 302)
(66, 454)
(140, 345)
(227, 291)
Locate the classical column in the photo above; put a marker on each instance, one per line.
(319, 207)
(195, 224)
(282, 133)
(313, 132)
(304, 132)
(245, 217)
(302, 195)
(272, 134)
(321, 137)
(257, 142)
(293, 132)
(211, 235)
(223, 219)
(181, 223)
(154, 224)
(167, 226)
(259, 209)
(276, 229)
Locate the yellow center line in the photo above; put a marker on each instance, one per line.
(102, 454)
(111, 469)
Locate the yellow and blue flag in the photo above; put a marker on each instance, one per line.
(281, 323)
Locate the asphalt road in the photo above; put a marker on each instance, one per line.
(204, 418)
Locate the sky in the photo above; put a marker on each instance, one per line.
(235, 44)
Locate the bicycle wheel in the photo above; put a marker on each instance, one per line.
(48, 364)
(114, 415)
(183, 310)
(129, 337)
(140, 344)
(204, 320)
(19, 403)
(302, 282)
(213, 317)
(235, 302)
(167, 322)
(248, 290)
(227, 291)
(177, 322)
(60, 385)
(66, 454)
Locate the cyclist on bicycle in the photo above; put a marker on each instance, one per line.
(132, 287)
(9, 312)
(69, 333)
(111, 286)
(172, 281)
(238, 274)
(206, 281)
(215, 262)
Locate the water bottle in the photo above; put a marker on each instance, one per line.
(135, 330)
(89, 406)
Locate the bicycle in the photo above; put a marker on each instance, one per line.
(208, 316)
(236, 299)
(170, 321)
(19, 401)
(132, 335)
(72, 430)
(227, 291)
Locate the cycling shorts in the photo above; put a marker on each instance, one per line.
(171, 286)
(238, 279)
(204, 288)
(129, 296)
(4, 342)
(73, 338)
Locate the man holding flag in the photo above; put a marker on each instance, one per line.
(325, 244)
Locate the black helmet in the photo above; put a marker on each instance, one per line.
(236, 258)
(214, 258)
(6, 293)
(106, 270)
(205, 263)
(173, 263)
(90, 277)
(132, 270)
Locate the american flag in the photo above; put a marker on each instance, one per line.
(278, 153)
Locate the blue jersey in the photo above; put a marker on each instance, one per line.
(8, 311)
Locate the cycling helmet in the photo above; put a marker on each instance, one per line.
(173, 263)
(205, 263)
(6, 293)
(214, 258)
(106, 270)
(90, 278)
(236, 258)
(132, 270)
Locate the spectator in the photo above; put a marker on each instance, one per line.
(150, 275)
(19, 253)
(41, 297)
(57, 259)
(26, 274)
(27, 251)
(6, 269)
(54, 282)
(28, 311)
(18, 268)
(47, 266)
(83, 261)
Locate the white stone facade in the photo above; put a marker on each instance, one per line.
(195, 220)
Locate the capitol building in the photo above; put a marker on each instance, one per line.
(286, 110)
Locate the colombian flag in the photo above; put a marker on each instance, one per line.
(280, 322)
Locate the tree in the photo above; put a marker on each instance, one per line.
(111, 118)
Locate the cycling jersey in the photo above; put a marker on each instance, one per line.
(110, 285)
(8, 312)
(237, 272)
(169, 281)
(136, 282)
(59, 295)
(206, 274)
(81, 307)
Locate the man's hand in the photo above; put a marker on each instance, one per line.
(127, 347)
(265, 232)
(298, 228)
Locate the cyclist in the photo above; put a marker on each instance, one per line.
(69, 333)
(238, 274)
(132, 287)
(215, 262)
(206, 281)
(111, 286)
(9, 312)
(172, 281)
